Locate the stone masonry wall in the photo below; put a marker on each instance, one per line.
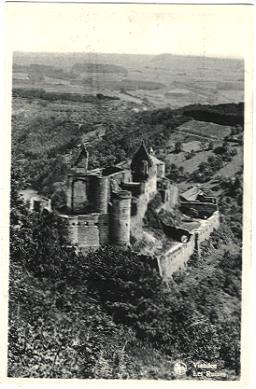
(175, 258)
(104, 229)
(160, 170)
(79, 195)
(151, 186)
(137, 219)
(84, 230)
(120, 218)
(207, 226)
(174, 196)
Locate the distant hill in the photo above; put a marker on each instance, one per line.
(127, 60)
(200, 60)
(67, 60)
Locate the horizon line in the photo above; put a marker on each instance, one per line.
(116, 53)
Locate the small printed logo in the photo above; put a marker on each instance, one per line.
(179, 368)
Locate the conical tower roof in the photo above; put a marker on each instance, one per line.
(141, 155)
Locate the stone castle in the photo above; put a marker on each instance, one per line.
(102, 204)
(107, 206)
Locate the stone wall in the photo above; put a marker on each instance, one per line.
(175, 258)
(160, 170)
(84, 230)
(101, 195)
(79, 195)
(104, 229)
(141, 203)
(120, 218)
(173, 196)
(136, 188)
(38, 204)
(207, 226)
(69, 191)
(151, 186)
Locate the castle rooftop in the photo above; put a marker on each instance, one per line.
(142, 154)
(192, 193)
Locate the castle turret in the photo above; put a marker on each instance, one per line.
(141, 164)
(101, 194)
(120, 218)
(144, 170)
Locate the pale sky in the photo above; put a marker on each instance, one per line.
(210, 30)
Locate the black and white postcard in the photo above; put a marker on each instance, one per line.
(126, 193)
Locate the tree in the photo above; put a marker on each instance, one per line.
(59, 200)
(21, 223)
(178, 147)
(230, 343)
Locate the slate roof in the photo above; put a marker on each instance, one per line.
(140, 155)
(192, 193)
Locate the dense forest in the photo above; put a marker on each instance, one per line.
(226, 114)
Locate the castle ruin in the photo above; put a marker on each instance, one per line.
(107, 206)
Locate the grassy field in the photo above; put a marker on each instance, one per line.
(205, 129)
(166, 80)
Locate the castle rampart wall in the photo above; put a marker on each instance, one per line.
(175, 258)
(207, 226)
(84, 230)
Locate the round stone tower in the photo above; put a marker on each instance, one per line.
(120, 218)
(101, 194)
